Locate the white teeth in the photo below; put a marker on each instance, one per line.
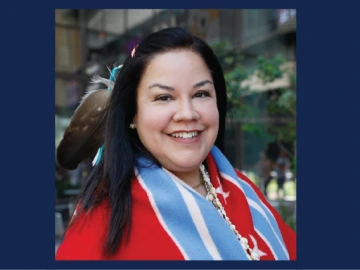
(185, 135)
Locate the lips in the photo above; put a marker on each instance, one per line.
(183, 134)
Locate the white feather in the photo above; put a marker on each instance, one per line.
(98, 79)
(108, 68)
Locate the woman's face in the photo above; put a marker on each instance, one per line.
(177, 117)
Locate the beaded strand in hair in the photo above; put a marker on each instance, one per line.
(134, 50)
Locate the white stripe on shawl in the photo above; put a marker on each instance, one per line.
(158, 215)
(197, 217)
(232, 180)
(258, 208)
(267, 243)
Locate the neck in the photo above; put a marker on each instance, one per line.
(191, 178)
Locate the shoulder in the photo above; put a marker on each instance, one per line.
(288, 234)
(86, 235)
(247, 180)
(252, 189)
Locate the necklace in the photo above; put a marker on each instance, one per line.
(212, 197)
(201, 182)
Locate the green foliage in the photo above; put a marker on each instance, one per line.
(244, 105)
(287, 215)
(253, 177)
(259, 130)
(287, 99)
(269, 68)
(289, 187)
(286, 212)
(293, 165)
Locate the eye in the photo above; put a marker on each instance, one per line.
(202, 94)
(163, 98)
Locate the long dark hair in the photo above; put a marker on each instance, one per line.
(111, 178)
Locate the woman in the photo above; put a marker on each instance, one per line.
(162, 189)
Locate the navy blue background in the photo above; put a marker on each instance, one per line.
(328, 110)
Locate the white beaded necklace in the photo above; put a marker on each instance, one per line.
(212, 197)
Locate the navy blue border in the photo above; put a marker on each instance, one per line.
(328, 136)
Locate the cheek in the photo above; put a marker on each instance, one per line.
(210, 116)
(215, 116)
(211, 120)
(151, 120)
(215, 122)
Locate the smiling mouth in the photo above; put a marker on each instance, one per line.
(185, 135)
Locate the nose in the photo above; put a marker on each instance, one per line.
(186, 111)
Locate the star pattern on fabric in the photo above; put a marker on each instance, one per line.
(256, 249)
(220, 190)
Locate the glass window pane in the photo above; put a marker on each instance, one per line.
(67, 49)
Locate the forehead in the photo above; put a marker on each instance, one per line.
(180, 66)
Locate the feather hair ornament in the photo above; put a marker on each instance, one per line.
(98, 79)
(83, 138)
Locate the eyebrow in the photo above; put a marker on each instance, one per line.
(162, 86)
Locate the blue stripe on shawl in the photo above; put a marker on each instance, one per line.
(226, 242)
(260, 222)
(171, 205)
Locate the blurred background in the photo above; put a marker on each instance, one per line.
(257, 50)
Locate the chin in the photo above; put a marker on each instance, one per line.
(184, 164)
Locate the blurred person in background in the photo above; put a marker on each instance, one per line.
(263, 167)
(161, 187)
(282, 166)
(270, 175)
